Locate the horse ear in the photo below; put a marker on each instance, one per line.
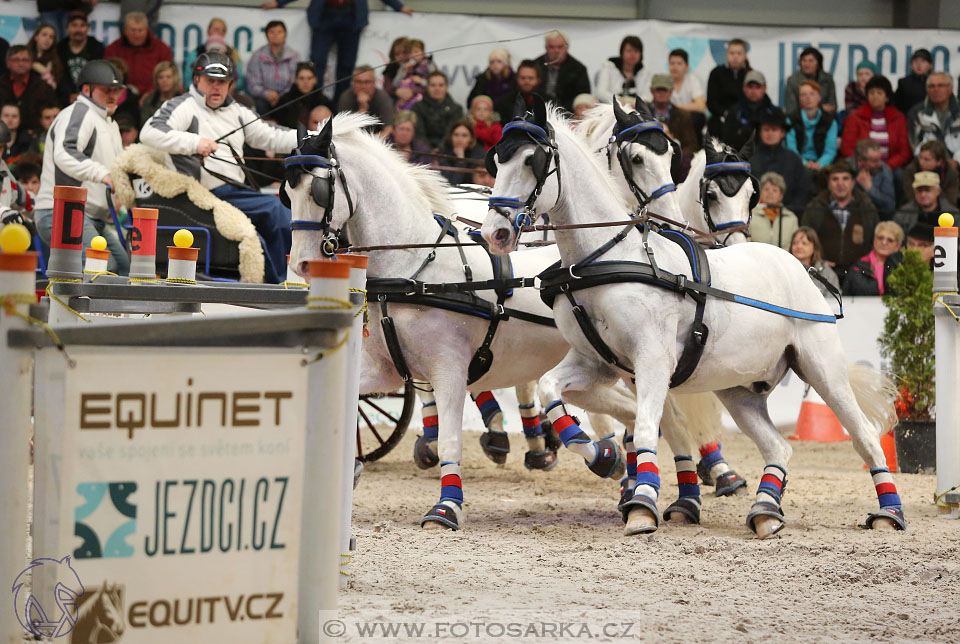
(326, 135)
(746, 152)
(643, 109)
(622, 119)
(539, 111)
(713, 155)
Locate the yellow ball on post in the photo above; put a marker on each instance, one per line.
(183, 238)
(98, 243)
(14, 238)
(945, 220)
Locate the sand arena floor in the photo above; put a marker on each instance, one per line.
(549, 547)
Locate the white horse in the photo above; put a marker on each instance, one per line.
(393, 202)
(645, 327)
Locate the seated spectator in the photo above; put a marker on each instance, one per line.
(23, 86)
(462, 151)
(874, 177)
(129, 98)
(404, 139)
(725, 85)
(364, 96)
(77, 49)
(562, 77)
(925, 123)
(129, 131)
(687, 90)
(878, 121)
(805, 246)
(855, 94)
(217, 36)
(912, 88)
(528, 77)
(844, 218)
(272, 68)
(317, 116)
(297, 108)
(582, 104)
(932, 158)
(436, 112)
(485, 128)
(399, 54)
(770, 221)
(928, 203)
(46, 62)
(47, 114)
(870, 275)
(676, 119)
(140, 50)
(483, 178)
(771, 155)
(27, 175)
(920, 238)
(20, 139)
(166, 85)
(412, 78)
(743, 118)
(813, 131)
(623, 76)
(497, 80)
(811, 69)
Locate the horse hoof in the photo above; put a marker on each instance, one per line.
(433, 525)
(496, 446)
(704, 473)
(640, 520)
(423, 455)
(550, 437)
(677, 518)
(887, 519)
(543, 461)
(609, 462)
(767, 526)
(730, 483)
(884, 523)
(441, 516)
(683, 511)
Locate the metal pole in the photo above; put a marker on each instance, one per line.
(948, 365)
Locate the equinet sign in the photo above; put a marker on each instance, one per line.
(132, 410)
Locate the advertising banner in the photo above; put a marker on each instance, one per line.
(168, 493)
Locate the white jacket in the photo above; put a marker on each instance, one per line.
(182, 121)
(81, 145)
(610, 83)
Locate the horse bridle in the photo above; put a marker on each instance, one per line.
(633, 134)
(715, 172)
(544, 154)
(323, 193)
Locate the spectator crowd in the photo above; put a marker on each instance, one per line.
(842, 186)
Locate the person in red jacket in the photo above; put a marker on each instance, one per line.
(881, 122)
(486, 129)
(141, 50)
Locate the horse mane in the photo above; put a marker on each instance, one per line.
(596, 120)
(562, 130)
(421, 181)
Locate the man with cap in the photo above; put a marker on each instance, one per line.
(677, 120)
(204, 131)
(929, 203)
(771, 155)
(920, 238)
(81, 144)
(743, 117)
(937, 117)
(912, 88)
(78, 48)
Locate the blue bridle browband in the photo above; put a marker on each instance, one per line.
(529, 128)
(641, 127)
(508, 202)
(727, 166)
(306, 224)
(310, 160)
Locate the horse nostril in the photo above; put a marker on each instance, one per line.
(502, 235)
(303, 268)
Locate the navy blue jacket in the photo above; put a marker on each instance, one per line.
(361, 12)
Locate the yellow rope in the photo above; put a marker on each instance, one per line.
(939, 298)
(287, 284)
(59, 280)
(322, 354)
(9, 303)
(336, 303)
(180, 280)
(363, 308)
(938, 497)
(143, 280)
(345, 559)
(97, 274)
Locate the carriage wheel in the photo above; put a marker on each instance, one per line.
(379, 427)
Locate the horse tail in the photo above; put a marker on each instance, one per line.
(697, 417)
(875, 393)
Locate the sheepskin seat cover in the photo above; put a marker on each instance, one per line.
(233, 224)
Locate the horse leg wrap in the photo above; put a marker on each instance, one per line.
(533, 432)
(890, 506)
(551, 440)
(769, 493)
(639, 500)
(689, 502)
(568, 429)
(423, 453)
(495, 443)
(608, 463)
(711, 463)
(447, 511)
(728, 483)
(626, 490)
(648, 475)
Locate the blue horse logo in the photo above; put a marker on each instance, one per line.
(52, 621)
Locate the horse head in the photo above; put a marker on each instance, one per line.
(728, 189)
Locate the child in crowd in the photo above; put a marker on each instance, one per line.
(399, 54)
(486, 128)
(28, 176)
(413, 76)
(47, 114)
(20, 139)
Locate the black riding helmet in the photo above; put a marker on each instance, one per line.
(100, 72)
(214, 64)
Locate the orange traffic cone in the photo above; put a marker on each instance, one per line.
(817, 422)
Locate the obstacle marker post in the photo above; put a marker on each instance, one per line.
(143, 246)
(947, 364)
(182, 259)
(66, 247)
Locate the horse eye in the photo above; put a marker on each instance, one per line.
(528, 161)
(712, 196)
(637, 159)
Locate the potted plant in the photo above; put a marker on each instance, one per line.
(907, 342)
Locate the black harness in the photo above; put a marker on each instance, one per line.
(729, 175)
(652, 135)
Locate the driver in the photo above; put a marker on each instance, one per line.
(81, 144)
(189, 126)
